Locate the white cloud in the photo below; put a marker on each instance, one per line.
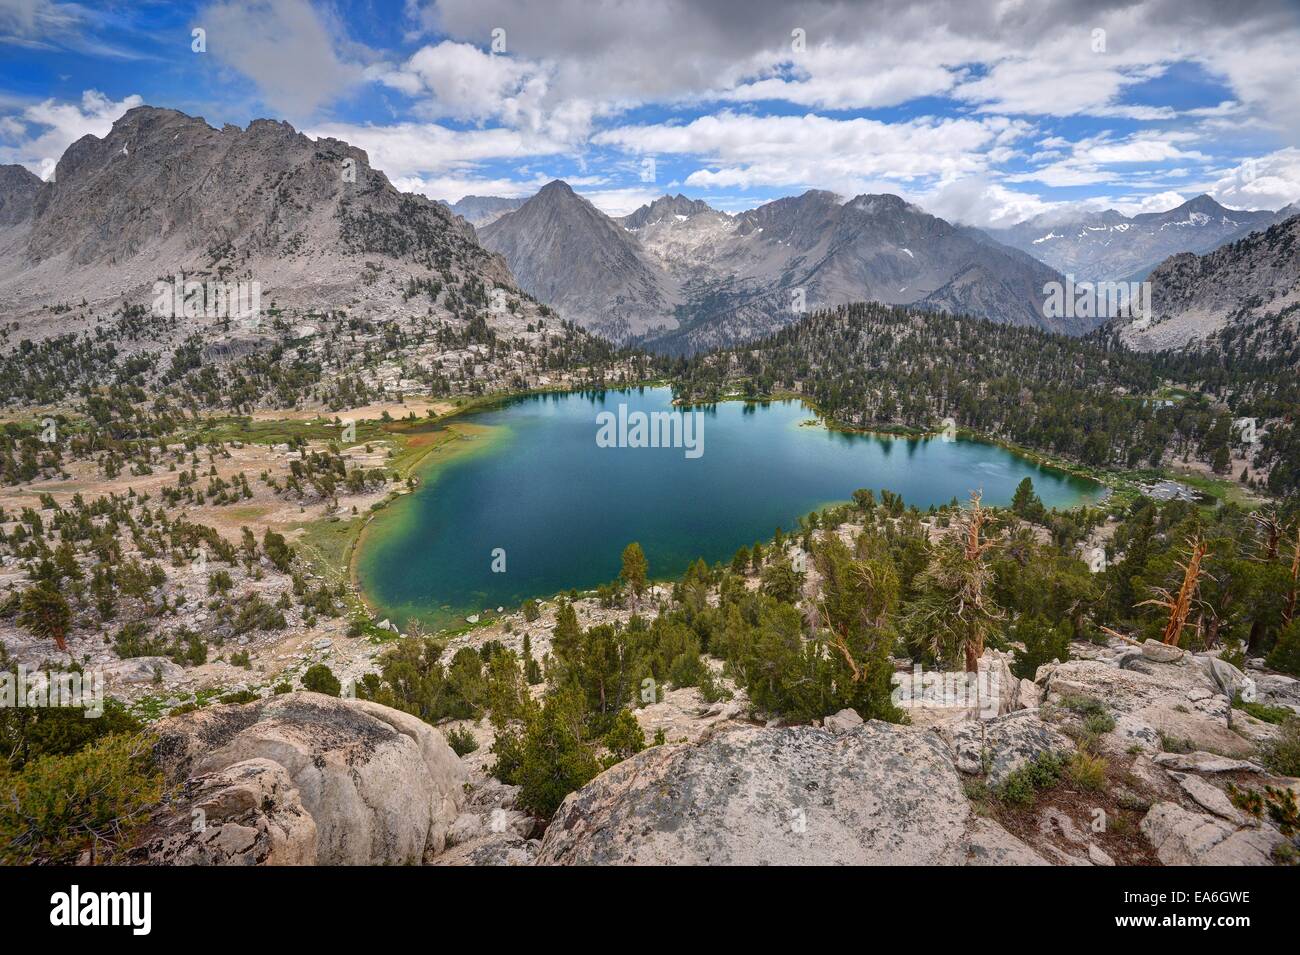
(979, 202)
(57, 126)
(284, 47)
(464, 82)
(817, 151)
(1158, 202)
(405, 150)
(1088, 159)
(1268, 182)
(619, 202)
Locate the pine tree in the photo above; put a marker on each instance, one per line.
(46, 613)
(635, 569)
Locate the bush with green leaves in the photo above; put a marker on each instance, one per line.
(1021, 787)
(624, 738)
(549, 757)
(461, 740)
(1282, 755)
(188, 648)
(95, 799)
(135, 640)
(1042, 642)
(321, 679)
(240, 696)
(28, 733)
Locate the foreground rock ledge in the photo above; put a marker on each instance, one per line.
(303, 778)
(872, 795)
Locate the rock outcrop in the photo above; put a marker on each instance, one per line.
(876, 794)
(998, 747)
(304, 778)
(1156, 698)
(1184, 837)
(163, 193)
(249, 814)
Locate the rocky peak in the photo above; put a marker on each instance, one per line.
(18, 189)
(664, 208)
(569, 254)
(162, 177)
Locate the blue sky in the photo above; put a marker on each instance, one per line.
(983, 112)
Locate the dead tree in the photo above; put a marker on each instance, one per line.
(1180, 605)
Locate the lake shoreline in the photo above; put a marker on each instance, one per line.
(402, 602)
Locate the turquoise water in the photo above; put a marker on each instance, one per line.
(561, 508)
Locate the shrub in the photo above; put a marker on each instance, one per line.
(1021, 787)
(461, 741)
(29, 733)
(711, 688)
(189, 648)
(1043, 644)
(133, 640)
(625, 737)
(60, 806)
(1282, 755)
(1087, 771)
(1280, 805)
(240, 696)
(1262, 711)
(320, 679)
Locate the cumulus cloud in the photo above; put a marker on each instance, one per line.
(567, 70)
(38, 135)
(1268, 182)
(744, 150)
(977, 201)
(1105, 158)
(285, 47)
(1054, 57)
(416, 150)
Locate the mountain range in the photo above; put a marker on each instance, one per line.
(1110, 246)
(1235, 288)
(479, 211)
(164, 193)
(570, 255)
(681, 276)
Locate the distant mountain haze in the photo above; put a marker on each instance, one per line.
(479, 211)
(1109, 246)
